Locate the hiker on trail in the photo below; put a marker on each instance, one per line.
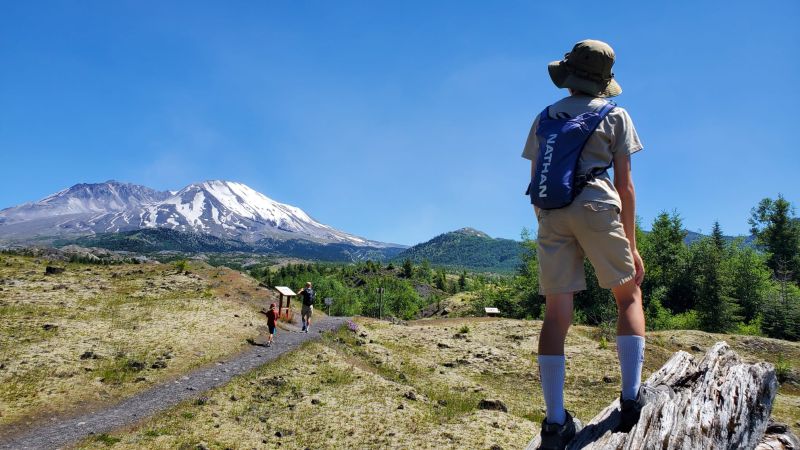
(272, 322)
(308, 305)
(582, 212)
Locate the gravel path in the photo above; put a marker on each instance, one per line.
(55, 434)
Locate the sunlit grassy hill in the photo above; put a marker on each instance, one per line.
(95, 333)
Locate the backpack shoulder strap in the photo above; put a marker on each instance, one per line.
(602, 112)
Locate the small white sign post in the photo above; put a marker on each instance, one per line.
(491, 312)
(328, 303)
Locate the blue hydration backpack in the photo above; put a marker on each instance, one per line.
(556, 182)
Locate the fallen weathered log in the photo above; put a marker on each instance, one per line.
(719, 402)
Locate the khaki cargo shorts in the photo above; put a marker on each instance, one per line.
(590, 229)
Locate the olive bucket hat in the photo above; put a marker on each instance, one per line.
(587, 68)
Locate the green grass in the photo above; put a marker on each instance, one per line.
(107, 439)
(335, 376)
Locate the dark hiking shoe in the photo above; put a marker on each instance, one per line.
(555, 436)
(630, 410)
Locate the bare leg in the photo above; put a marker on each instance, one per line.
(630, 337)
(557, 319)
(630, 321)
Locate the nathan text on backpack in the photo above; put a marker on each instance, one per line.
(556, 181)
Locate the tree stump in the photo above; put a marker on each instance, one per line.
(719, 402)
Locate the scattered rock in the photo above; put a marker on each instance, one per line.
(201, 446)
(401, 406)
(459, 336)
(140, 379)
(495, 447)
(494, 405)
(90, 355)
(410, 395)
(278, 434)
(442, 402)
(233, 398)
(136, 365)
(696, 348)
(608, 379)
(315, 401)
(159, 364)
(201, 401)
(443, 345)
(257, 343)
(51, 270)
(49, 326)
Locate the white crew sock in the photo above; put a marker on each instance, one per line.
(552, 370)
(630, 350)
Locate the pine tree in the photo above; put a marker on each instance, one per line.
(717, 312)
(667, 261)
(462, 281)
(717, 237)
(777, 232)
(747, 278)
(441, 280)
(408, 268)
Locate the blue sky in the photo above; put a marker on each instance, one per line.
(393, 120)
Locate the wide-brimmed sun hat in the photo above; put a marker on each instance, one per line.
(587, 68)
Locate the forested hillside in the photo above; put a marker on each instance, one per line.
(467, 248)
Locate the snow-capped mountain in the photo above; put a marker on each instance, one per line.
(220, 208)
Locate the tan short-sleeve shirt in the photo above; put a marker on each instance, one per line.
(614, 135)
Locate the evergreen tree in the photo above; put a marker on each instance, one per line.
(462, 281)
(441, 280)
(526, 282)
(717, 312)
(777, 232)
(667, 262)
(717, 237)
(781, 316)
(424, 271)
(408, 269)
(747, 278)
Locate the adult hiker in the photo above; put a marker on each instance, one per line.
(582, 212)
(308, 295)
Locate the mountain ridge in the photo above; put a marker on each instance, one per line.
(225, 209)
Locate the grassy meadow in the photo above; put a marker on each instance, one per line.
(95, 333)
(420, 386)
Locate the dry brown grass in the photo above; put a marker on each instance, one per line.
(122, 314)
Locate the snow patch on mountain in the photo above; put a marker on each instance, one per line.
(221, 208)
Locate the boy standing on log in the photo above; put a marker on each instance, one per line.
(582, 212)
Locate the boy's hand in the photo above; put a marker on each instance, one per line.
(638, 263)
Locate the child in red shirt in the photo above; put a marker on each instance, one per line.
(272, 319)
